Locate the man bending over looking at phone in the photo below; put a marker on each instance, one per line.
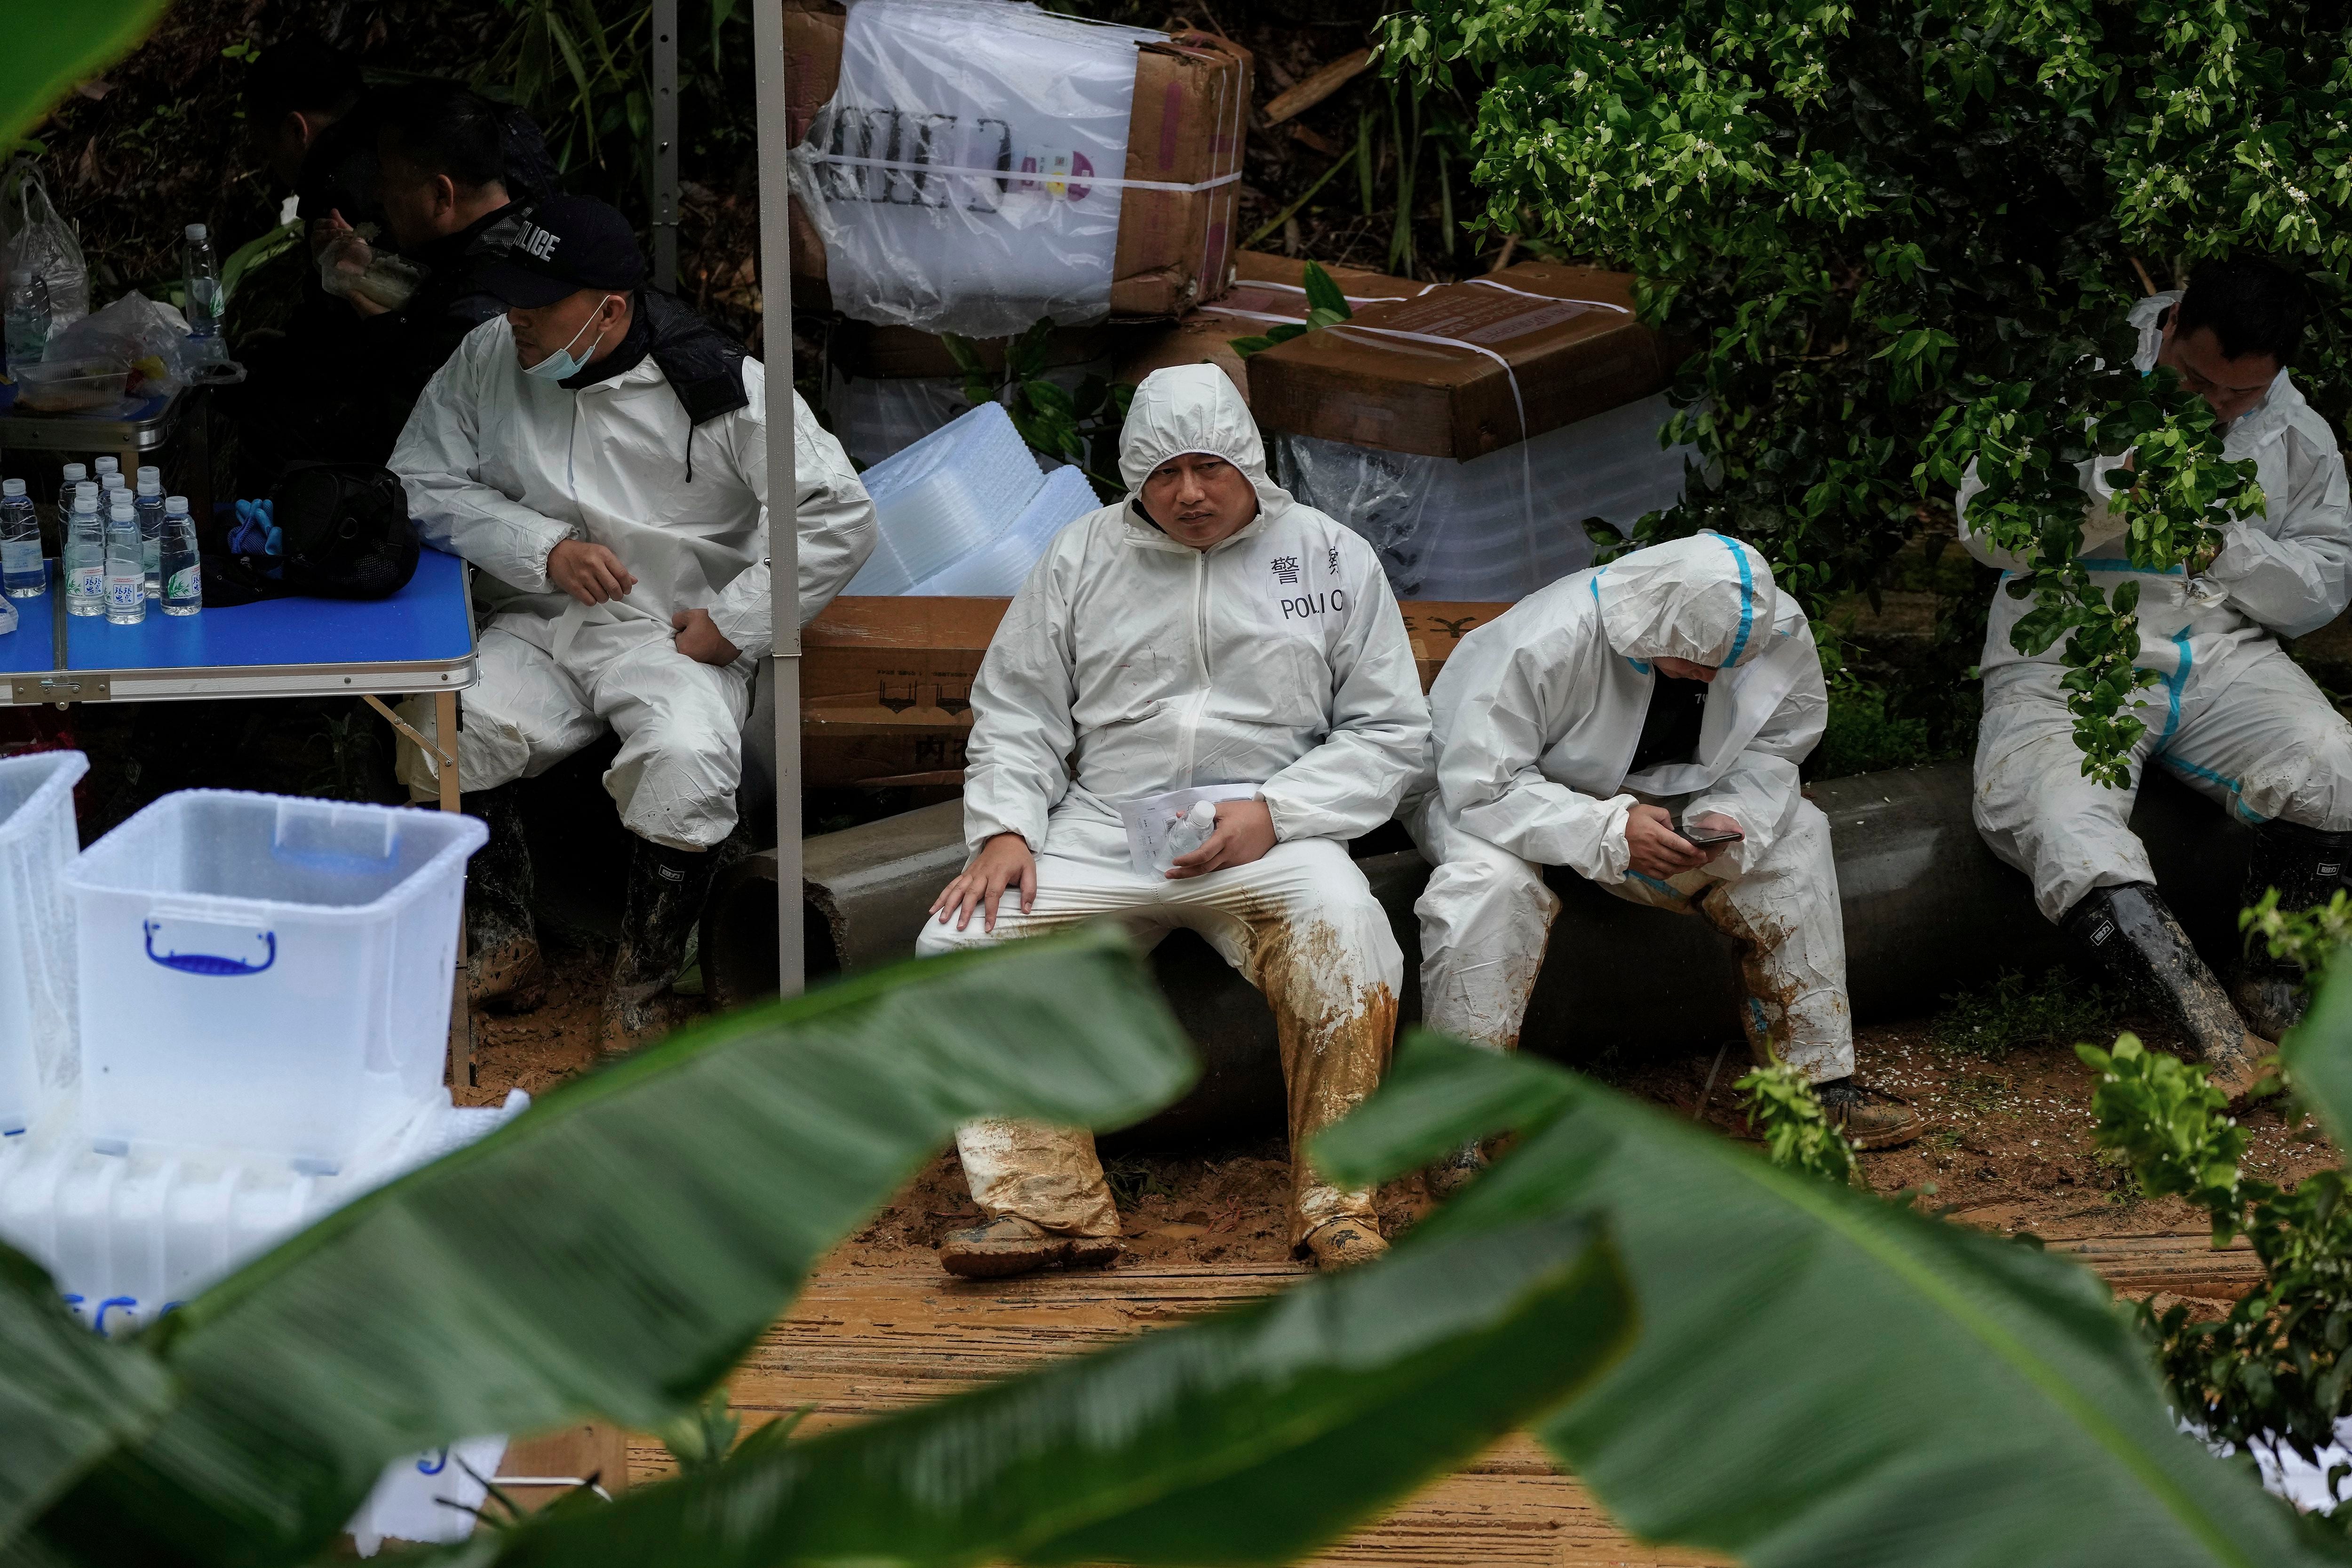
(1641, 723)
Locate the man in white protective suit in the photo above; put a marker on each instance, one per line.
(599, 453)
(2234, 717)
(1208, 630)
(1601, 723)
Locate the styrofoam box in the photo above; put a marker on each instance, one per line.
(36, 973)
(266, 973)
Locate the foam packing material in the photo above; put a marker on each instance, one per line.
(1489, 529)
(39, 1057)
(944, 497)
(971, 84)
(997, 570)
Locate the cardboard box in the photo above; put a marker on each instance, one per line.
(1267, 290)
(885, 683)
(1571, 354)
(1186, 127)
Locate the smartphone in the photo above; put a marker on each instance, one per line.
(1708, 837)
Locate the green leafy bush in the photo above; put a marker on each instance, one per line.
(1995, 1019)
(1078, 427)
(1903, 240)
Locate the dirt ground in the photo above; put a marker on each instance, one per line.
(2009, 1149)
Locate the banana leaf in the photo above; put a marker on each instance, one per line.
(66, 1396)
(1823, 1377)
(615, 1250)
(50, 47)
(1254, 1435)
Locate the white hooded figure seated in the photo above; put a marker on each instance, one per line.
(1640, 723)
(1207, 631)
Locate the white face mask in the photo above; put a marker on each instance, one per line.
(560, 365)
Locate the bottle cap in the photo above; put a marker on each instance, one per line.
(149, 471)
(195, 231)
(175, 506)
(109, 466)
(12, 488)
(76, 473)
(149, 485)
(110, 483)
(120, 511)
(86, 494)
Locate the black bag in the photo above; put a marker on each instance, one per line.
(346, 532)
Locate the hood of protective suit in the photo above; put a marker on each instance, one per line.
(1194, 408)
(1708, 599)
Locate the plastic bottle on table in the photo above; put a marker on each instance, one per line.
(75, 474)
(85, 554)
(184, 590)
(149, 505)
(23, 575)
(201, 272)
(28, 319)
(126, 567)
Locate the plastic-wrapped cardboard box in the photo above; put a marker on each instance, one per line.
(1184, 134)
(1267, 291)
(885, 683)
(1434, 375)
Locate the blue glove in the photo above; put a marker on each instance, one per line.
(256, 533)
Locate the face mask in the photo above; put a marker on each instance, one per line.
(560, 365)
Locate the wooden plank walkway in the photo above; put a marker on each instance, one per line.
(863, 1342)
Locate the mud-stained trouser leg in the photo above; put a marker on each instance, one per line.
(1783, 912)
(1486, 916)
(1303, 925)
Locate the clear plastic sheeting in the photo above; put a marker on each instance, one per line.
(997, 569)
(1501, 526)
(948, 176)
(945, 497)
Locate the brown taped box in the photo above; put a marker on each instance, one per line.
(1572, 361)
(885, 683)
(1186, 128)
(1263, 286)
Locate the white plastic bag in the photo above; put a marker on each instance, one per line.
(40, 242)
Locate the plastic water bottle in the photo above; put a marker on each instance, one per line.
(85, 554)
(201, 272)
(183, 588)
(21, 572)
(149, 505)
(126, 567)
(76, 473)
(28, 319)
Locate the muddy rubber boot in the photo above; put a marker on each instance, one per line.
(1343, 1244)
(504, 969)
(1869, 1118)
(2307, 866)
(666, 891)
(1009, 1245)
(1448, 1176)
(2135, 942)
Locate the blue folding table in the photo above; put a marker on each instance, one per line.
(420, 640)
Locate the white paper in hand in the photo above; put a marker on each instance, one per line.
(1161, 826)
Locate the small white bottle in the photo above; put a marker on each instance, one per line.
(148, 504)
(23, 574)
(126, 568)
(75, 474)
(84, 547)
(184, 589)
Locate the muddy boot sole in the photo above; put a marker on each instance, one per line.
(1003, 1259)
(1342, 1244)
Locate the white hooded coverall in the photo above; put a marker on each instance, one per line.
(2233, 716)
(1276, 658)
(1537, 715)
(501, 466)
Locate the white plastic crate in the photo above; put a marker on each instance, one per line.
(37, 968)
(944, 497)
(266, 973)
(998, 568)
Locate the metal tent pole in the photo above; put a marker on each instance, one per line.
(784, 535)
(666, 145)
